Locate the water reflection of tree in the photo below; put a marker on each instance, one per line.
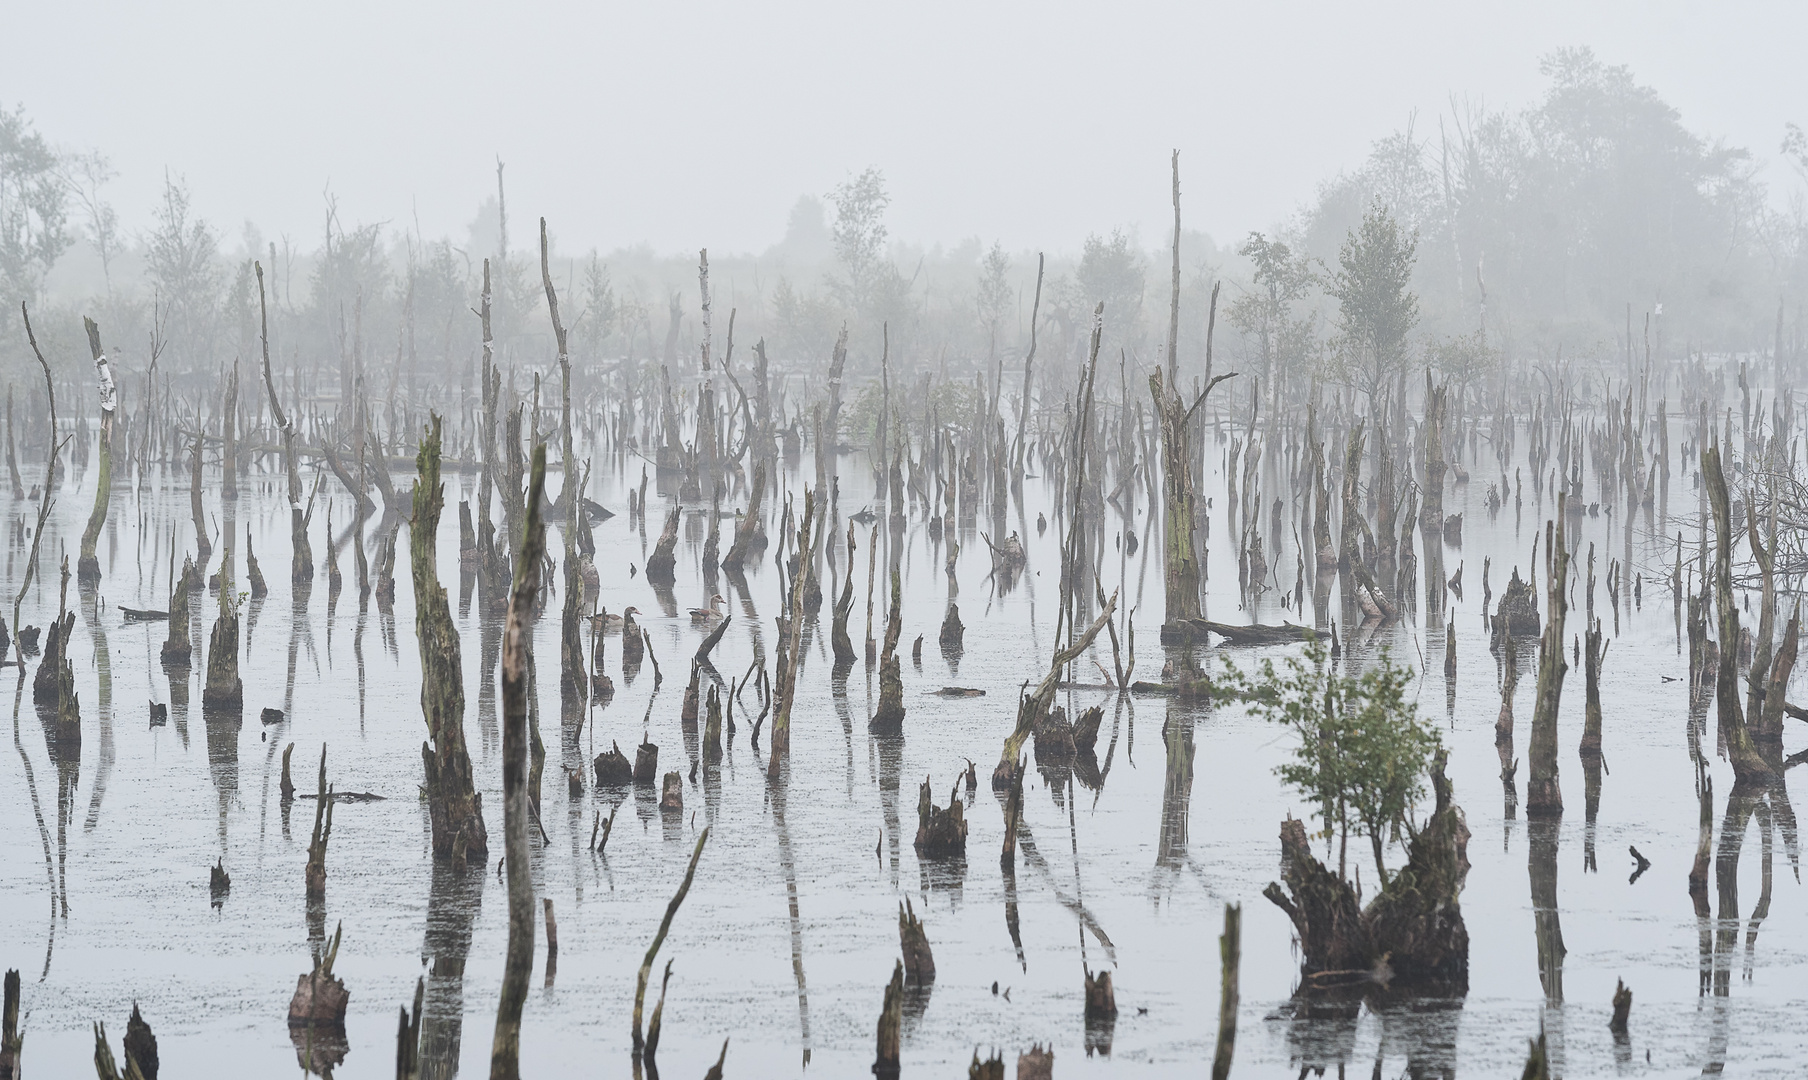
(788, 864)
(453, 901)
(1541, 867)
(1176, 796)
(103, 663)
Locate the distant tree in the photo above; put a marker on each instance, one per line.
(806, 231)
(1463, 358)
(806, 325)
(598, 311)
(1376, 310)
(1265, 313)
(182, 261)
(1112, 270)
(859, 237)
(1362, 751)
(995, 296)
(33, 220)
(88, 173)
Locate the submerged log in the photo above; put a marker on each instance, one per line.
(1255, 634)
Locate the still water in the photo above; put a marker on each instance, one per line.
(789, 933)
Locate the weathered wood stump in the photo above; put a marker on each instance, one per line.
(919, 960)
(1036, 1063)
(612, 768)
(320, 996)
(954, 632)
(941, 833)
(1411, 934)
(646, 764)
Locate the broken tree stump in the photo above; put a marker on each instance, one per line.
(1036, 1063)
(919, 960)
(320, 996)
(661, 564)
(612, 768)
(140, 1046)
(646, 764)
(953, 632)
(941, 833)
(1101, 999)
(891, 1024)
(323, 830)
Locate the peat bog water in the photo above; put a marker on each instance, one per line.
(789, 932)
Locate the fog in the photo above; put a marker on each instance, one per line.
(630, 326)
(698, 125)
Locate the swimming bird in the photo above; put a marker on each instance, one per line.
(708, 616)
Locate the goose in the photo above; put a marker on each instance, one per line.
(613, 623)
(708, 616)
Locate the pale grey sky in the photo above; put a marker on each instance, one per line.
(697, 124)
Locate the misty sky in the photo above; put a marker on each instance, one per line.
(699, 124)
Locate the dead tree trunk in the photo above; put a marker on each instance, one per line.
(517, 658)
(301, 568)
(453, 804)
(889, 719)
(567, 506)
(178, 649)
(87, 568)
(1544, 798)
(323, 831)
(790, 650)
(1741, 750)
(662, 564)
(224, 690)
(844, 645)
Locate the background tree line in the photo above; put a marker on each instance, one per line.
(1485, 237)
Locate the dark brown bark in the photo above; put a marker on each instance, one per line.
(517, 660)
(919, 959)
(941, 833)
(660, 569)
(454, 806)
(1544, 797)
(323, 831)
(1741, 750)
